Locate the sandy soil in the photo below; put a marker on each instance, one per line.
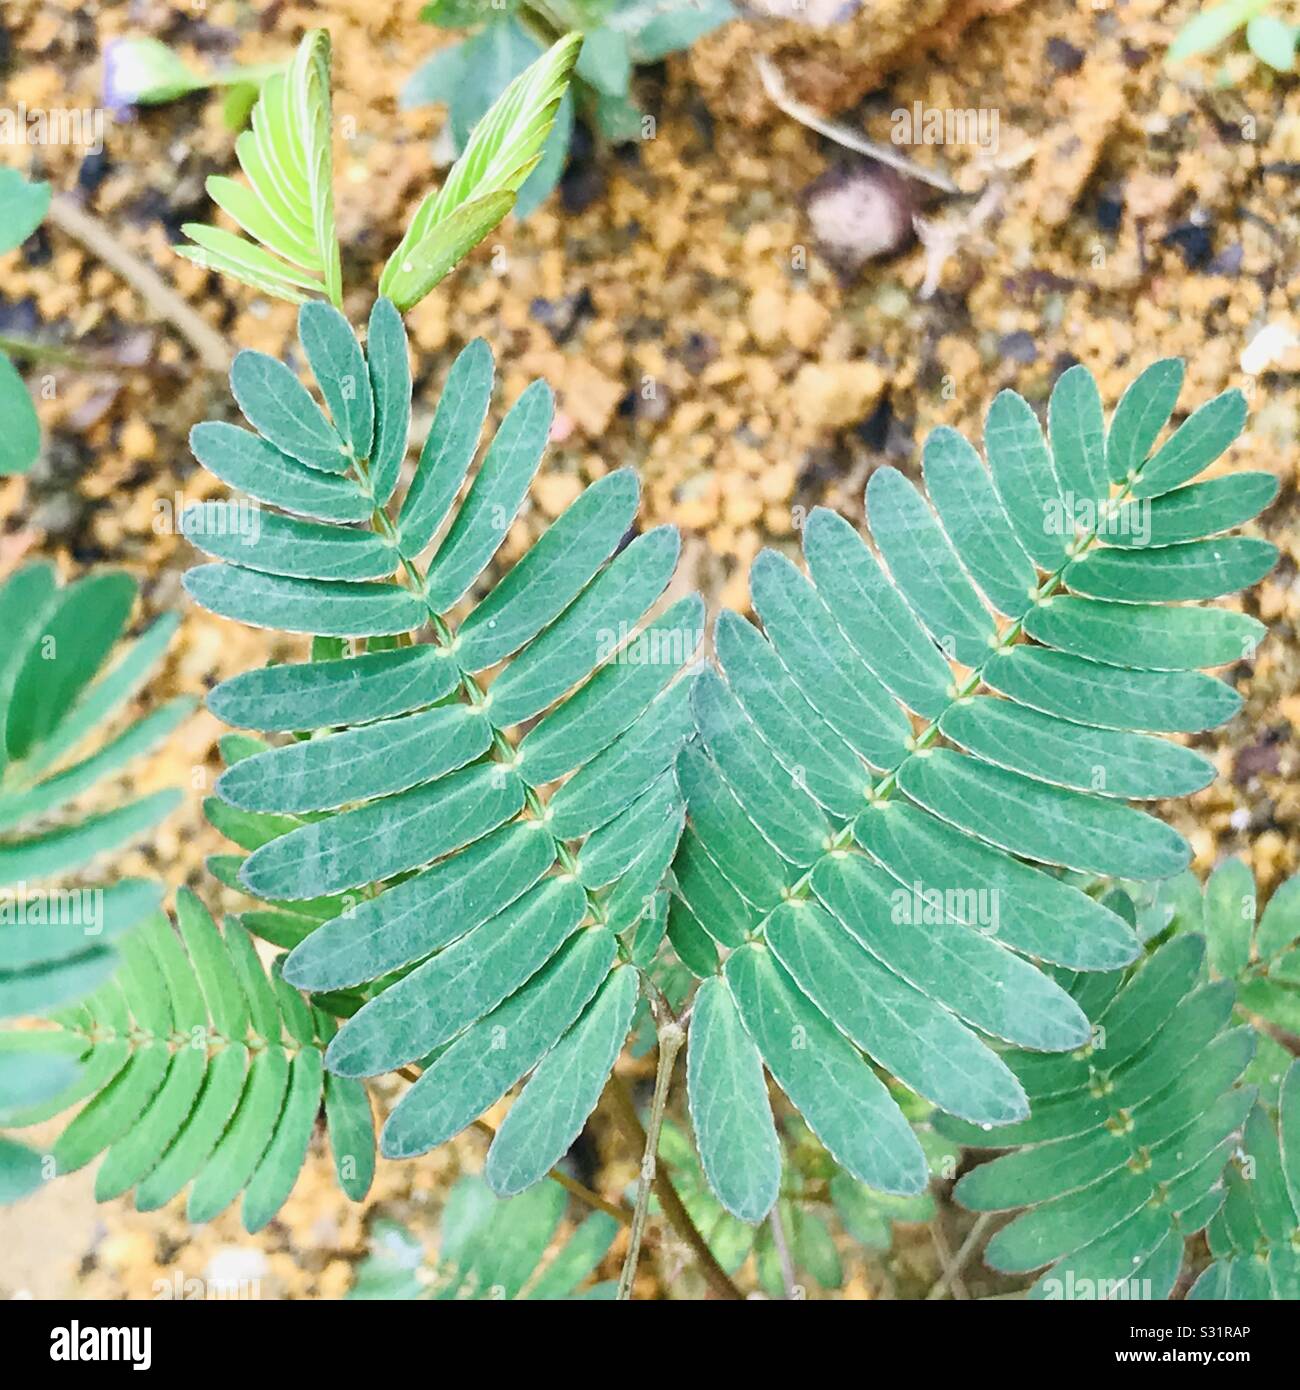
(677, 296)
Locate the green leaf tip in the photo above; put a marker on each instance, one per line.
(290, 249)
(483, 184)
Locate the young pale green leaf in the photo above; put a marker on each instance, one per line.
(137, 1152)
(352, 1134)
(20, 445)
(278, 1168)
(23, 205)
(218, 250)
(1273, 41)
(231, 1164)
(502, 151)
(114, 1110)
(288, 207)
(1229, 920)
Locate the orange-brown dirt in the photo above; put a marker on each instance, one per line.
(691, 327)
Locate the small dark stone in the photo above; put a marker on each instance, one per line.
(1064, 57)
(1061, 364)
(583, 180)
(874, 430)
(563, 317)
(1134, 58)
(1019, 347)
(19, 319)
(1260, 759)
(95, 168)
(1194, 240)
(6, 50)
(697, 352)
(1110, 212)
(858, 214)
(1228, 261)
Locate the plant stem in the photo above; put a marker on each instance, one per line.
(783, 1255)
(674, 1211)
(28, 350)
(671, 1038)
(71, 218)
(958, 1262)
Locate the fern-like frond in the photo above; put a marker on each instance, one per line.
(1252, 1237)
(919, 726)
(53, 701)
(491, 1249)
(507, 925)
(1259, 952)
(290, 249)
(199, 1069)
(1123, 1155)
(58, 942)
(480, 190)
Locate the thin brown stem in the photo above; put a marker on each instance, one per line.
(953, 1268)
(671, 1038)
(784, 1258)
(670, 1203)
(101, 241)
